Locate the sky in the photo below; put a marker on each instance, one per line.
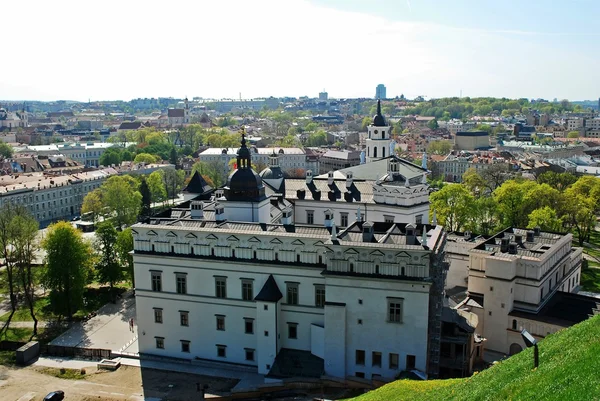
(109, 50)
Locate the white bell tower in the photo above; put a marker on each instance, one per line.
(379, 137)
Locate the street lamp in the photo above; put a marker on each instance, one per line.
(531, 342)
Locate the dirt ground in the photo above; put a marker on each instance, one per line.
(28, 384)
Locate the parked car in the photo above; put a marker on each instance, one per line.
(57, 395)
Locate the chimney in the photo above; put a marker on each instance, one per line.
(309, 176)
(512, 248)
(530, 236)
(410, 234)
(367, 232)
(331, 196)
(219, 212)
(537, 231)
(467, 235)
(286, 218)
(504, 245)
(348, 196)
(349, 179)
(518, 238)
(328, 218)
(330, 178)
(317, 194)
(197, 210)
(301, 193)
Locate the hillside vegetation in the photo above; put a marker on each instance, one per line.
(569, 370)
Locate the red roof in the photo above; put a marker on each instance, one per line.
(176, 113)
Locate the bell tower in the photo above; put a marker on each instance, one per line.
(379, 137)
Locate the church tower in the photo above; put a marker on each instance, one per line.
(186, 111)
(379, 137)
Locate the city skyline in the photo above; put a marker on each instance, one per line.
(267, 48)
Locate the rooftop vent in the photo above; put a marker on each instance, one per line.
(530, 236)
(512, 248)
(504, 245)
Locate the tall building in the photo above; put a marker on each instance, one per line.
(379, 138)
(233, 279)
(323, 95)
(380, 92)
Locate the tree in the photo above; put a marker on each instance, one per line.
(145, 158)
(173, 157)
(453, 204)
(121, 196)
(496, 174)
(474, 182)
(483, 217)
(68, 262)
(108, 268)
(158, 193)
(146, 198)
(441, 147)
(124, 247)
(573, 134)
(6, 151)
(110, 156)
(433, 124)
(580, 214)
(560, 181)
(510, 197)
(318, 138)
(546, 219)
(173, 181)
(214, 171)
(92, 203)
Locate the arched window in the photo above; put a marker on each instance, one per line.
(255, 255)
(514, 324)
(298, 258)
(320, 259)
(375, 152)
(376, 269)
(351, 267)
(383, 151)
(402, 272)
(369, 154)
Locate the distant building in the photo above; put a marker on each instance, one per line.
(323, 95)
(289, 158)
(471, 140)
(380, 92)
(337, 159)
(379, 137)
(179, 117)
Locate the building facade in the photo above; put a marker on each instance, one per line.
(379, 138)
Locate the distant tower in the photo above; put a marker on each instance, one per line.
(378, 137)
(424, 161)
(323, 95)
(186, 111)
(380, 92)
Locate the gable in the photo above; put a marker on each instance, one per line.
(151, 232)
(276, 241)
(377, 253)
(191, 235)
(171, 234)
(212, 237)
(253, 239)
(297, 242)
(232, 238)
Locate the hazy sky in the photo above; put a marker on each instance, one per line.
(125, 49)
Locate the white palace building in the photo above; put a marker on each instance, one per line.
(242, 277)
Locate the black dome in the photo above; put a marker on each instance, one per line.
(271, 173)
(378, 120)
(244, 184)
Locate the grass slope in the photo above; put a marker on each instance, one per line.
(569, 370)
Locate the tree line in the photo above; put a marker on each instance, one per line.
(556, 202)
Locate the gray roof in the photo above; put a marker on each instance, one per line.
(377, 169)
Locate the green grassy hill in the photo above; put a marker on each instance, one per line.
(569, 370)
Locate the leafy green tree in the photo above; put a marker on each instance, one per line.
(441, 147)
(173, 181)
(68, 263)
(158, 193)
(121, 196)
(453, 205)
(474, 182)
(145, 158)
(483, 216)
(6, 151)
(213, 171)
(580, 214)
(510, 197)
(318, 138)
(111, 156)
(146, 198)
(545, 218)
(173, 157)
(124, 248)
(108, 268)
(573, 134)
(496, 174)
(433, 124)
(92, 203)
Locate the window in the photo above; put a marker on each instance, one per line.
(181, 283)
(158, 316)
(310, 217)
(393, 361)
(292, 293)
(376, 358)
(514, 324)
(360, 374)
(265, 307)
(248, 325)
(249, 354)
(344, 219)
(293, 330)
(156, 281)
(185, 346)
(184, 319)
(359, 321)
(411, 361)
(419, 219)
(395, 310)
(220, 322)
(221, 351)
(319, 296)
(247, 292)
(542, 293)
(388, 219)
(160, 342)
(221, 287)
(360, 357)
(266, 333)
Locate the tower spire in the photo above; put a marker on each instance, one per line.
(378, 107)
